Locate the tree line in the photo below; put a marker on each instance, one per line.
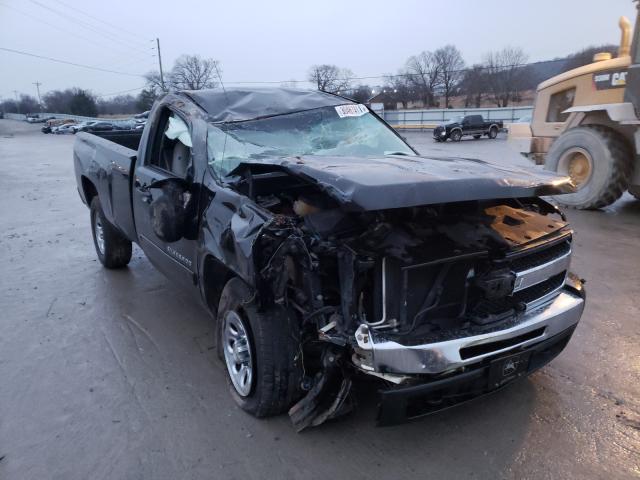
(431, 78)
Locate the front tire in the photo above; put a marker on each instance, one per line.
(456, 136)
(112, 248)
(260, 352)
(598, 160)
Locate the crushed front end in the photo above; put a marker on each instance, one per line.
(440, 302)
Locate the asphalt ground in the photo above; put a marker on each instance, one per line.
(113, 374)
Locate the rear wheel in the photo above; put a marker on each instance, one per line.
(493, 132)
(112, 248)
(260, 352)
(456, 136)
(599, 162)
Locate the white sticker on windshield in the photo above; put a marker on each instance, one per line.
(353, 110)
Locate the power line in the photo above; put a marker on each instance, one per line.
(76, 9)
(86, 39)
(121, 92)
(19, 52)
(88, 26)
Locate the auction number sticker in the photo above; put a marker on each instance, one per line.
(353, 110)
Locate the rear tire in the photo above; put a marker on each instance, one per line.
(609, 159)
(112, 248)
(274, 351)
(493, 133)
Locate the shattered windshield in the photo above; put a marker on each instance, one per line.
(344, 130)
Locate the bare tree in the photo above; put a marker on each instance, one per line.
(191, 72)
(506, 74)
(154, 82)
(450, 66)
(400, 88)
(424, 74)
(330, 78)
(474, 86)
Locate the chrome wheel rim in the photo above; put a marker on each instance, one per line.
(237, 353)
(99, 232)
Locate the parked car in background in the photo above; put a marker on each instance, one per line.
(51, 123)
(469, 125)
(97, 127)
(79, 126)
(125, 125)
(33, 118)
(64, 129)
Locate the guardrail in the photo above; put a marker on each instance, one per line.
(65, 116)
(401, 119)
(425, 119)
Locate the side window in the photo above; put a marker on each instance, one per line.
(171, 150)
(559, 102)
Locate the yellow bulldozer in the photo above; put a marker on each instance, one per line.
(586, 124)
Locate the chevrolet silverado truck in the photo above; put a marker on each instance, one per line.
(328, 250)
(470, 125)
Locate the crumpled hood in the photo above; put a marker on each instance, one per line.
(395, 181)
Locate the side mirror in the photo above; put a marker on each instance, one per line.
(167, 211)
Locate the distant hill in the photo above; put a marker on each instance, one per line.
(539, 72)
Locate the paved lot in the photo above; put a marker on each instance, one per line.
(112, 374)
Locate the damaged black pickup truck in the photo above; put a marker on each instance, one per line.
(328, 249)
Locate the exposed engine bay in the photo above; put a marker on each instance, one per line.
(413, 275)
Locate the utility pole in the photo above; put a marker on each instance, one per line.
(15, 92)
(160, 64)
(37, 84)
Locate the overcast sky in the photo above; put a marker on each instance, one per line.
(279, 40)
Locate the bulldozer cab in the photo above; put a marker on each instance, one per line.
(632, 91)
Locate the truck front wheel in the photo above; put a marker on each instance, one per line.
(260, 351)
(456, 136)
(599, 162)
(113, 249)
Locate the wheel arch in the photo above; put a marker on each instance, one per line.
(89, 190)
(215, 276)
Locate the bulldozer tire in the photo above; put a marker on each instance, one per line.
(598, 160)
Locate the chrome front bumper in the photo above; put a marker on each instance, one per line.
(380, 356)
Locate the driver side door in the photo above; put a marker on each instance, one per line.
(168, 158)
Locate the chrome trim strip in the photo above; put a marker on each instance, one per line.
(391, 357)
(540, 273)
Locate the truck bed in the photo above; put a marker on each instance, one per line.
(106, 161)
(126, 138)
